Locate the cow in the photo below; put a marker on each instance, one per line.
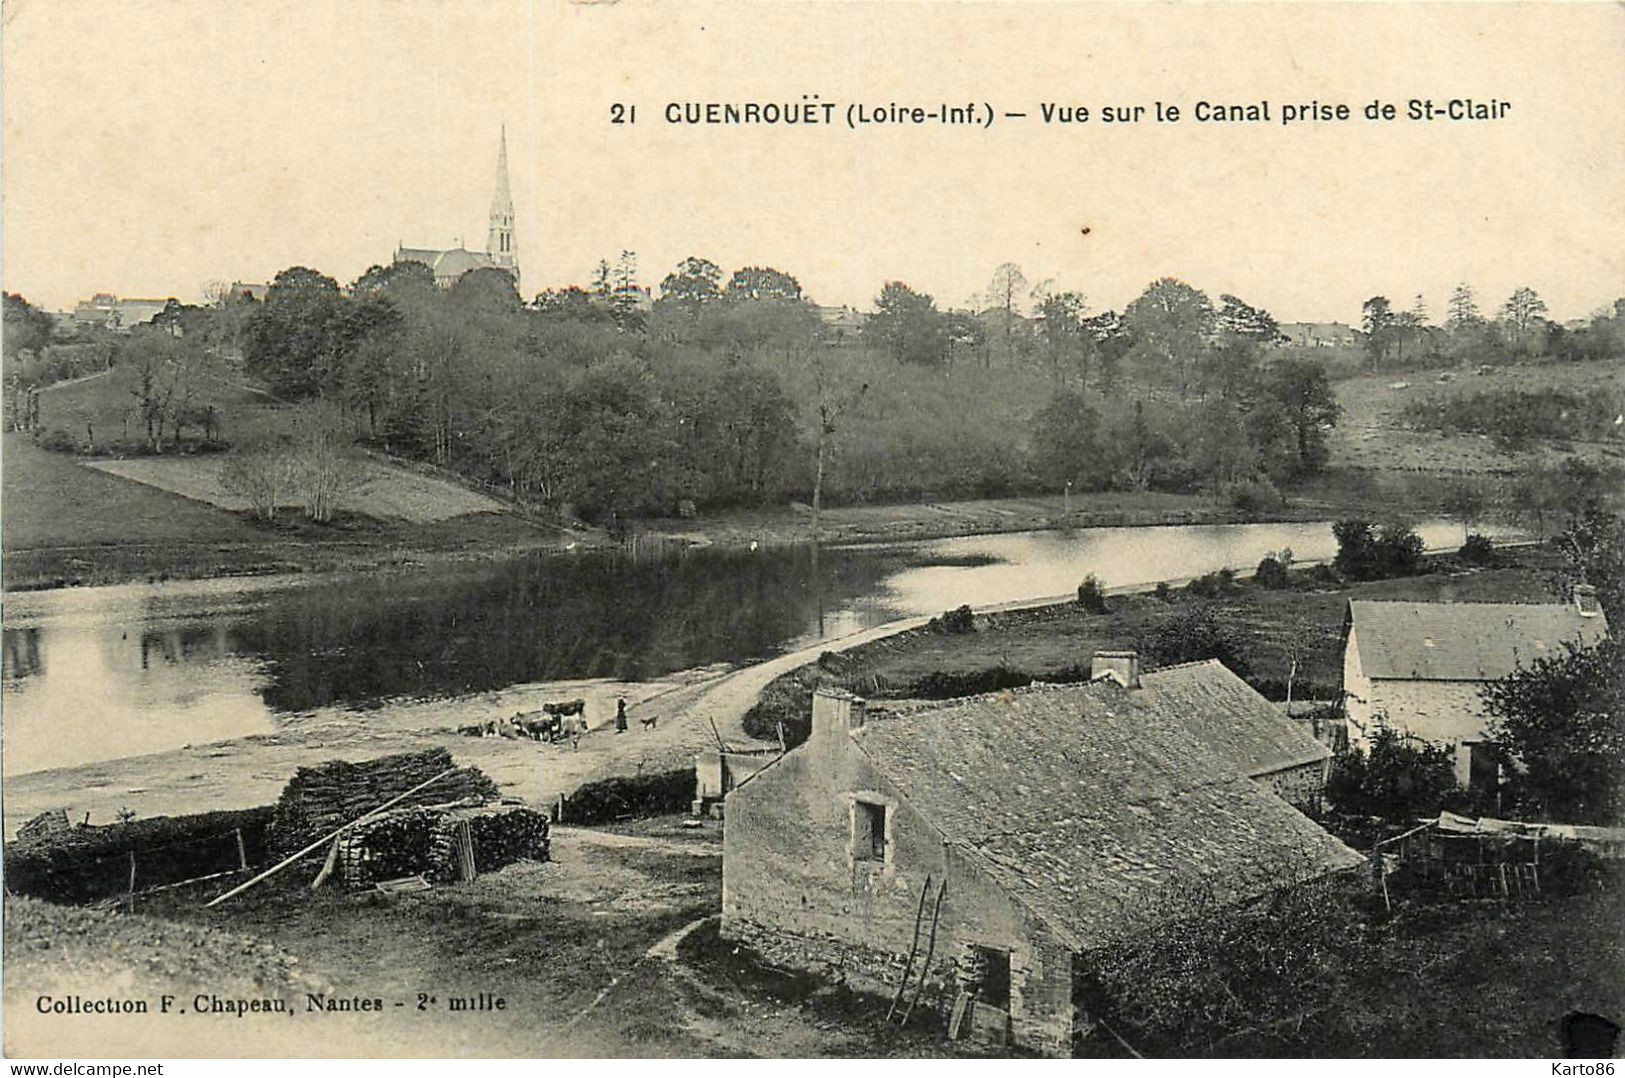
(567, 707)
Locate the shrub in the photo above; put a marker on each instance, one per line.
(939, 685)
(58, 441)
(959, 620)
(1274, 569)
(1399, 779)
(1213, 585)
(1194, 634)
(1365, 552)
(1164, 592)
(1091, 596)
(1256, 497)
(654, 794)
(1477, 550)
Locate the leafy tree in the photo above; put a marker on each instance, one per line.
(27, 328)
(1304, 394)
(485, 292)
(1378, 323)
(290, 337)
(1561, 723)
(1061, 327)
(1170, 323)
(908, 325)
(1109, 342)
(965, 334)
(1067, 439)
(695, 282)
(1240, 319)
(571, 304)
(1594, 547)
(1463, 310)
(756, 283)
(404, 282)
(1522, 314)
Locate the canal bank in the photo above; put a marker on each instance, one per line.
(689, 710)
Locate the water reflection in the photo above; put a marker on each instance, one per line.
(101, 673)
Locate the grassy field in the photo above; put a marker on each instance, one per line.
(386, 492)
(1271, 629)
(67, 524)
(1373, 434)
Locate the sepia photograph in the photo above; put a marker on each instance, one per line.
(992, 530)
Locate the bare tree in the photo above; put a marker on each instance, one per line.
(1004, 292)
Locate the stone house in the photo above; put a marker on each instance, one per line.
(1420, 668)
(998, 839)
(1231, 719)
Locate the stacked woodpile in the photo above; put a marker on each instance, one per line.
(435, 841)
(324, 798)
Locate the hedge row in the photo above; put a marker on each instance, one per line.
(654, 794)
(88, 863)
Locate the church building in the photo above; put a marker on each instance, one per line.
(449, 265)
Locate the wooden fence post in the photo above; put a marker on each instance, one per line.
(242, 851)
(129, 902)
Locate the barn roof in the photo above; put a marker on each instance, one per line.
(1093, 809)
(1229, 717)
(1464, 641)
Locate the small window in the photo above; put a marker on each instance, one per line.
(868, 831)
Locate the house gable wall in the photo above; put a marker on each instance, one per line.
(793, 892)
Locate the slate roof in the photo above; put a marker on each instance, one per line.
(1090, 808)
(1229, 717)
(1464, 641)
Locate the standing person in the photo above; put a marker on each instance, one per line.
(620, 716)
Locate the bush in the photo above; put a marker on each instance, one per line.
(1275, 569)
(1163, 592)
(1091, 596)
(655, 794)
(1365, 552)
(1256, 497)
(58, 441)
(1214, 584)
(1194, 634)
(956, 621)
(1398, 779)
(1477, 550)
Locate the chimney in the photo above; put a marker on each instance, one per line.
(1585, 601)
(1122, 667)
(835, 711)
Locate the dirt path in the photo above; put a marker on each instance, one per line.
(252, 771)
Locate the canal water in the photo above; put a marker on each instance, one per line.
(101, 673)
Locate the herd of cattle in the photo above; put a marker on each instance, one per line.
(554, 722)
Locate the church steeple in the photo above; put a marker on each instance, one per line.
(499, 243)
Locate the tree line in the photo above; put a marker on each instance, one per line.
(726, 389)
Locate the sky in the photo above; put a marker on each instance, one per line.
(152, 148)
